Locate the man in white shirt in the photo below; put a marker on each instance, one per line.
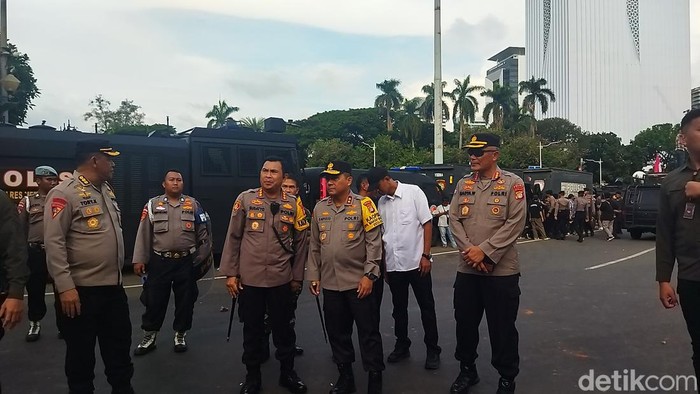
(442, 213)
(407, 240)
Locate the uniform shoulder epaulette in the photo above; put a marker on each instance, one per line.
(255, 190)
(324, 198)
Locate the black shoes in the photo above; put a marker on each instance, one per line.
(34, 331)
(148, 343)
(292, 382)
(398, 355)
(505, 386)
(180, 344)
(251, 385)
(432, 361)
(346, 380)
(468, 376)
(374, 382)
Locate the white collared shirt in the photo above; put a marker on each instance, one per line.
(403, 215)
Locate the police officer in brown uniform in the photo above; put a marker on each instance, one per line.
(487, 214)
(172, 237)
(561, 215)
(344, 260)
(85, 256)
(582, 215)
(263, 258)
(31, 212)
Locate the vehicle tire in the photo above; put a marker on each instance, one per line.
(636, 234)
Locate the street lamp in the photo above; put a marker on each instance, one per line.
(8, 82)
(600, 166)
(374, 152)
(544, 146)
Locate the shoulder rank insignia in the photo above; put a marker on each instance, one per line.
(83, 180)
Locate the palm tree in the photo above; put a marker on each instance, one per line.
(465, 105)
(219, 113)
(409, 121)
(501, 106)
(389, 99)
(536, 92)
(257, 124)
(519, 121)
(428, 107)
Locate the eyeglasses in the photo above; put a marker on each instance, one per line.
(478, 152)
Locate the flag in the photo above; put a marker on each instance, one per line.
(657, 164)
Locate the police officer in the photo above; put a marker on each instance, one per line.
(344, 260)
(263, 259)
(172, 237)
(31, 212)
(561, 216)
(85, 256)
(14, 271)
(487, 214)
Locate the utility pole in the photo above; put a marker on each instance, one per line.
(437, 91)
(4, 52)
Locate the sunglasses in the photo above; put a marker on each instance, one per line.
(478, 152)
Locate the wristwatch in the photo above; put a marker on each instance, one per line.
(371, 276)
(428, 256)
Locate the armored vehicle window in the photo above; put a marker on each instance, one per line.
(216, 160)
(248, 162)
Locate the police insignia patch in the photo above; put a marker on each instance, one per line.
(93, 223)
(351, 235)
(287, 206)
(57, 205)
(495, 210)
(188, 225)
(285, 228)
(255, 225)
(464, 210)
(256, 202)
(323, 236)
(144, 214)
(519, 191)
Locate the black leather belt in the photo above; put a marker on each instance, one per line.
(36, 245)
(176, 255)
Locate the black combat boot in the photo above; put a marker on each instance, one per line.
(374, 382)
(346, 380)
(505, 386)
(253, 380)
(468, 376)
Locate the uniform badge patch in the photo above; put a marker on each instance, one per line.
(144, 214)
(464, 210)
(499, 187)
(495, 210)
(287, 206)
(501, 182)
(93, 223)
(519, 191)
(188, 225)
(323, 236)
(255, 225)
(259, 215)
(20, 206)
(57, 205)
(496, 200)
(325, 214)
(236, 206)
(256, 202)
(352, 212)
(370, 206)
(285, 228)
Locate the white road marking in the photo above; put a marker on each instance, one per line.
(620, 260)
(137, 286)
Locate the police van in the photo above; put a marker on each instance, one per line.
(216, 165)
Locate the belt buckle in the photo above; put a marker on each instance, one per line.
(166, 255)
(176, 255)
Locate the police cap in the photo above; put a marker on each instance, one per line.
(336, 168)
(45, 171)
(483, 140)
(95, 146)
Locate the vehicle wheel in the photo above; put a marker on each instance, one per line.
(636, 234)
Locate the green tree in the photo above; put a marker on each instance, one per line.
(518, 122)
(352, 126)
(558, 129)
(660, 138)
(428, 107)
(609, 148)
(465, 105)
(519, 152)
(536, 93)
(389, 100)
(108, 120)
(257, 124)
(501, 106)
(21, 100)
(409, 121)
(219, 113)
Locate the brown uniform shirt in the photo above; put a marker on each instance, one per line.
(31, 213)
(489, 214)
(251, 249)
(165, 227)
(581, 205)
(551, 204)
(562, 205)
(83, 234)
(346, 243)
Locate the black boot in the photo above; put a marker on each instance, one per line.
(292, 382)
(468, 376)
(253, 380)
(346, 380)
(505, 386)
(374, 382)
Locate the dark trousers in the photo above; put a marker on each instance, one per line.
(499, 296)
(617, 224)
(253, 303)
(562, 223)
(164, 275)
(589, 226)
(550, 226)
(580, 223)
(689, 295)
(341, 309)
(423, 290)
(36, 286)
(378, 293)
(104, 317)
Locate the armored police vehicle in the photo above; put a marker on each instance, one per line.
(216, 165)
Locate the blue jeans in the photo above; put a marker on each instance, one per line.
(446, 233)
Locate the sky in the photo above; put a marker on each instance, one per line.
(271, 58)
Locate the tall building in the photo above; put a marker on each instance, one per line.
(614, 65)
(695, 98)
(509, 69)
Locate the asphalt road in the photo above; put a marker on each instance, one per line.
(572, 320)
